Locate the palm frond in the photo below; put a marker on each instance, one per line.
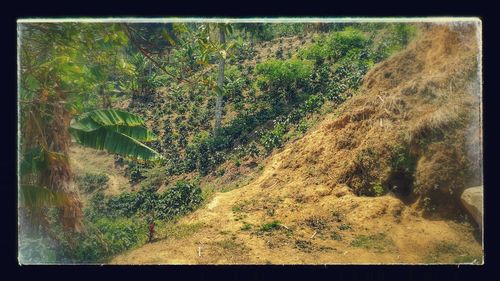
(37, 197)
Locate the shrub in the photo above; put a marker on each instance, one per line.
(115, 223)
(312, 104)
(378, 189)
(270, 226)
(203, 153)
(287, 29)
(243, 50)
(91, 182)
(107, 237)
(233, 86)
(317, 52)
(177, 200)
(404, 32)
(282, 79)
(135, 172)
(403, 166)
(342, 42)
(273, 138)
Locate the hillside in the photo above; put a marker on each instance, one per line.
(377, 181)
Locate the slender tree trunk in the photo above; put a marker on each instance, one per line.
(220, 84)
(106, 101)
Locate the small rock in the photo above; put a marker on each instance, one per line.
(472, 200)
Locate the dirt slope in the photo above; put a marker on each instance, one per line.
(305, 206)
(87, 160)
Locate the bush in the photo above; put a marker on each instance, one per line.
(404, 32)
(378, 189)
(135, 172)
(287, 29)
(177, 200)
(340, 43)
(203, 154)
(91, 182)
(317, 52)
(282, 79)
(104, 238)
(121, 234)
(273, 138)
(312, 104)
(270, 226)
(243, 50)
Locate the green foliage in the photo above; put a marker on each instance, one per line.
(107, 237)
(345, 226)
(37, 197)
(402, 160)
(317, 52)
(336, 236)
(270, 226)
(273, 97)
(202, 153)
(404, 32)
(115, 223)
(348, 40)
(116, 131)
(246, 226)
(91, 182)
(282, 79)
(135, 172)
(233, 85)
(183, 197)
(36, 250)
(312, 104)
(273, 138)
(103, 237)
(146, 78)
(377, 242)
(378, 189)
(448, 251)
(287, 29)
(243, 50)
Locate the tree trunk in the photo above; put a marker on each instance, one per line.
(220, 84)
(106, 101)
(59, 176)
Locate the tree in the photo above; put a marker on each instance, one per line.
(60, 65)
(220, 80)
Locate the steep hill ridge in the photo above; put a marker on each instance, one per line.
(407, 135)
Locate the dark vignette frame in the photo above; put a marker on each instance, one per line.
(239, 9)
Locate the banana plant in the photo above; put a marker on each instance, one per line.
(115, 131)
